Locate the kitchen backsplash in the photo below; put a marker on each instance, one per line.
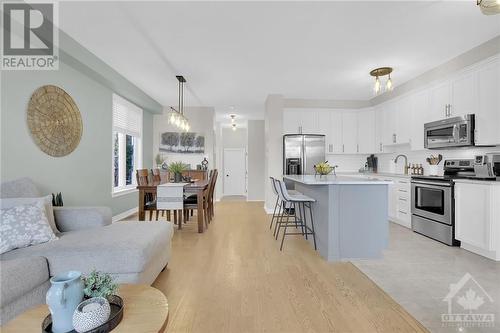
(347, 163)
(385, 161)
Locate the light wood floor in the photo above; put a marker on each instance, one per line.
(233, 278)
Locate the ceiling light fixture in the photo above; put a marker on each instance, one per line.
(382, 71)
(489, 7)
(176, 116)
(233, 116)
(233, 126)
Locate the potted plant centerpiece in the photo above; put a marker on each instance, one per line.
(177, 168)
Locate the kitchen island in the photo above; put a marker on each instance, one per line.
(350, 214)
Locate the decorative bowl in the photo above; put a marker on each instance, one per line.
(91, 313)
(323, 168)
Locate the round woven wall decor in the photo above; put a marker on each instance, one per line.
(54, 121)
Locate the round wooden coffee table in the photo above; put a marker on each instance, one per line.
(146, 310)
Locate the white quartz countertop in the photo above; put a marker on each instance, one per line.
(334, 180)
(372, 174)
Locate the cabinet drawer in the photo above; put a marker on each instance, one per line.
(403, 205)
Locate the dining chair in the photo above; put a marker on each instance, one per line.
(191, 202)
(156, 175)
(142, 176)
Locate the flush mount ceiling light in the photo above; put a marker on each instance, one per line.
(377, 73)
(176, 116)
(489, 7)
(233, 121)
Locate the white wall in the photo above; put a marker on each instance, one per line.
(234, 139)
(273, 132)
(256, 156)
(201, 120)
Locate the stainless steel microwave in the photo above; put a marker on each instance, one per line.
(450, 132)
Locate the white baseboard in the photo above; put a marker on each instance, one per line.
(256, 200)
(268, 210)
(124, 214)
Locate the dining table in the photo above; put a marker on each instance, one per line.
(197, 187)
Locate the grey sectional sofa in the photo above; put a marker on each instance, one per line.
(133, 252)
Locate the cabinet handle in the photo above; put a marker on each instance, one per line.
(330, 148)
(300, 129)
(446, 110)
(450, 113)
(343, 148)
(357, 148)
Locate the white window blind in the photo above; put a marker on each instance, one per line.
(127, 117)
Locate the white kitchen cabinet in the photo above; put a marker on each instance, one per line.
(402, 109)
(488, 111)
(379, 129)
(440, 96)
(464, 97)
(402, 195)
(392, 207)
(477, 218)
(419, 116)
(350, 132)
(300, 121)
(389, 123)
(366, 131)
(334, 146)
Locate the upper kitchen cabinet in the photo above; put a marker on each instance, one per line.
(440, 96)
(330, 124)
(389, 123)
(419, 116)
(454, 97)
(350, 132)
(403, 117)
(488, 111)
(300, 121)
(464, 97)
(366, 132)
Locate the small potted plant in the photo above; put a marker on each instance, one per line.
(98, 284)
(177, 168)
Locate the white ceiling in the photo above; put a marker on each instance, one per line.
(236, 53)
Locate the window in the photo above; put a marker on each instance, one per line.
(127, 143)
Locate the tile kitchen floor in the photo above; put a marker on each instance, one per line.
(417, 272)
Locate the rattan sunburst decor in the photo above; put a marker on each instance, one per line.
(54, 121)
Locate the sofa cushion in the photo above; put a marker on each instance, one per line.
(123, 247)
(47, 200)
(24, 225)
(19, 188)
(20, 276)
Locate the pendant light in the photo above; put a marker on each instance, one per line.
(176, 117)
(489, 7)
(377, 73)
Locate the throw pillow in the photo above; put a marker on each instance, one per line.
(24, 225)
(49, 211)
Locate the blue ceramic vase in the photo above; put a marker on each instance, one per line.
(63, 298)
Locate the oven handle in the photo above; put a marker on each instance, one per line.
(431, 183)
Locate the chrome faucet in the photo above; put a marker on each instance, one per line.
(406, 162)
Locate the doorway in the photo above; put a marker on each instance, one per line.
(235, 171)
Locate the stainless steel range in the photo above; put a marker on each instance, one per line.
(433, 212)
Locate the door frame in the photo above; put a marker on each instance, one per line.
(244, 150)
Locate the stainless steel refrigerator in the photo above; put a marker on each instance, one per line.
(302, 152)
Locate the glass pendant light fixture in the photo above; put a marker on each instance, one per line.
(233, 122)
(377, 73)
(176, 117)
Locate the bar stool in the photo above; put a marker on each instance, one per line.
(279, 204)
(303, 202)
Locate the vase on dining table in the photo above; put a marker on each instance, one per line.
(177, 177)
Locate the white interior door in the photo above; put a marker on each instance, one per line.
(234, 171)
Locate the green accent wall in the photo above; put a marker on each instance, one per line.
(84, 177)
